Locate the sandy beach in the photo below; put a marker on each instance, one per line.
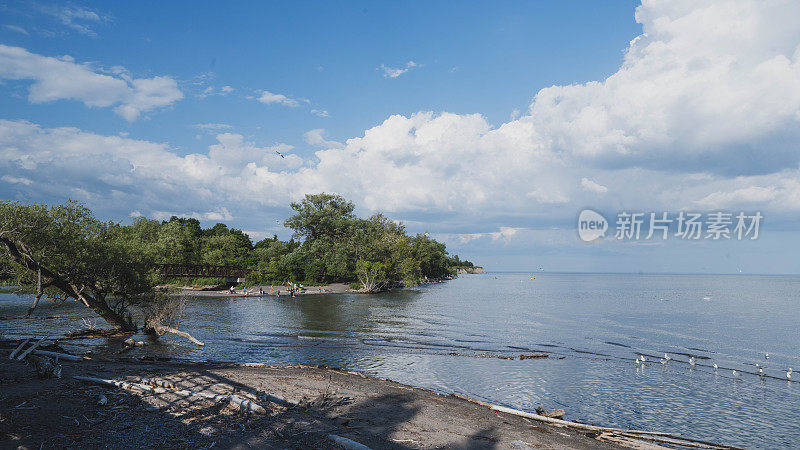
(269, 291)
(305, 407)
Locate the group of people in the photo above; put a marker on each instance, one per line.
(291, 288)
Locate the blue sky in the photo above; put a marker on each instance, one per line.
(490, 126)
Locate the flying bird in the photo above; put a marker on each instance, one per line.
(279, 153)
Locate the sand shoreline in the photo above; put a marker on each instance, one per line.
(323, 402)
(269, 291)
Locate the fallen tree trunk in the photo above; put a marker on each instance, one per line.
(14, 353)
(161, 330)
(637, 434)
(63, 356)
(32, 348)
(243, 404)
(347, 444)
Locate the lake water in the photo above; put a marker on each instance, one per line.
(593, 326)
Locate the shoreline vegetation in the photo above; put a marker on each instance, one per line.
(65, 253)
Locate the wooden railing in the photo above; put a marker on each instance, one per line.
(201, 271)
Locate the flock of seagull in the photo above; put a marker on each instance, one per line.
(642, 360)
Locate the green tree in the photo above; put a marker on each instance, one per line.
(321, 216)
(76, 256)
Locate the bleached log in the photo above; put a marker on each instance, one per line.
(243, 404)
(31, 348)
(559, 422)
(676, 438)
(348, 444)
(14, 353)
(63, 356)
(161, 329)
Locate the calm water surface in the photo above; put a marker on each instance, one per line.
(592, 325)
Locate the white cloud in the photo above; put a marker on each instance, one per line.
(217, 215)
(16, 180)
(320, 112)
(63, 78)
(505, 234)
(268, 98)
(697, 115)
(16, 28)
(394, 72)
(213, 127)
(592, 186)
(77, 18)
(209, 91)
(316, 137)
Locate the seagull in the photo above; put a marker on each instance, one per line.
(637, 361)
(643, 358)
(691, 361)
(663, 361)
(715, 367)
(279, 153)
(761, 372)
(735, 373)
(666, 356)
(789, 374)
(766, 356)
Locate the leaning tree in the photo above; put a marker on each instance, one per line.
(68, 254)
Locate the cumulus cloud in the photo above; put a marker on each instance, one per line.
(696, 116)
(217, 215)
(505, 234)
(63, 78)
(16, 180)
(113, 172)
(593, 186)
(268, 98)
(316, 137)
(394, 72)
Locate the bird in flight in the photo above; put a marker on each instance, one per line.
(279, 153)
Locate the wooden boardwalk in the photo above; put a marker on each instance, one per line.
(201, 271)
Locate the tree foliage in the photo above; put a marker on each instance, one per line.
(110, 267)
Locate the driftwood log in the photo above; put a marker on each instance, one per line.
(607, 433)
(14, 353)
(243, 404)
(347, 444)
(57, 355)
(162, 329)
(31, 348)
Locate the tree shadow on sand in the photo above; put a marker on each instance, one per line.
(65, 413)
